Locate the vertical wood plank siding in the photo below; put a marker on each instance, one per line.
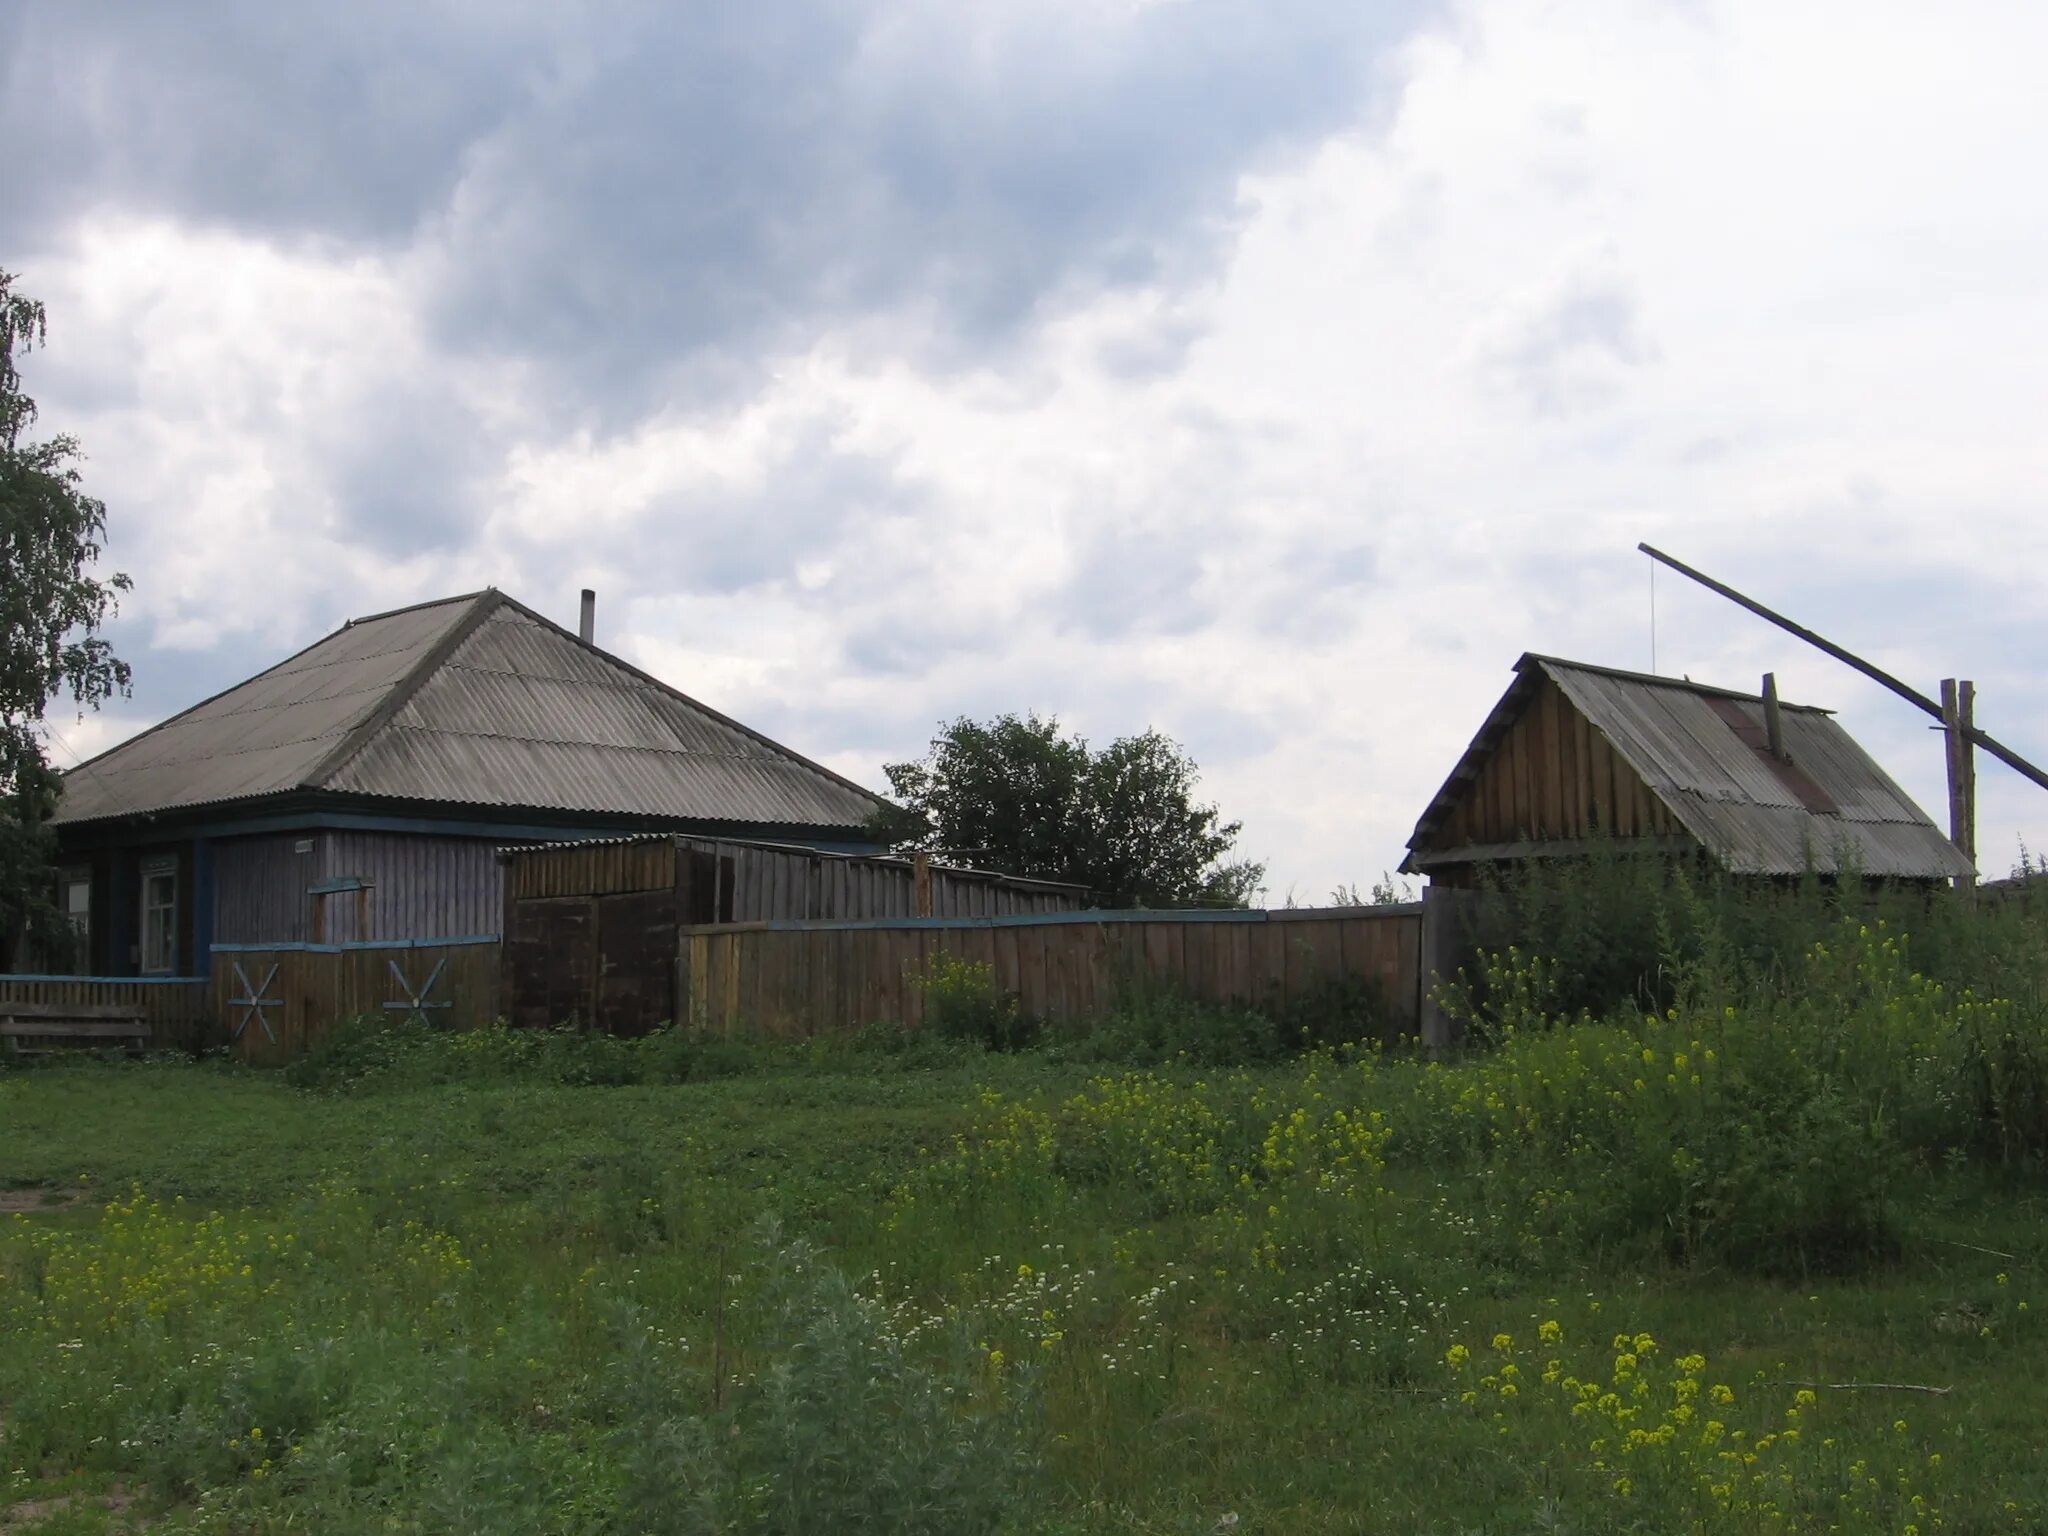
(1553, 777)
(178, 1012)
(799, 979)
(315, 987)
(260, 888)
(420, 887)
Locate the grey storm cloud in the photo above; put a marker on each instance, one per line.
(644, 198)
(407, 469)
(814, 501)
(340, 122)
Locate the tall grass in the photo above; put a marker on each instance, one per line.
(1651, 1260)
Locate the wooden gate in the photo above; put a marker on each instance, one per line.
(276, 1001)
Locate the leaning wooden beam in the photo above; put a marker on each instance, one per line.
(1914, 696)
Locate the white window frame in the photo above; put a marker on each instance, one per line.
(159, 867)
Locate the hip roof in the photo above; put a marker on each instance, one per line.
(476, 701)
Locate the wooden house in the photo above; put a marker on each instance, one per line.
(1574, 757)
(361, 789)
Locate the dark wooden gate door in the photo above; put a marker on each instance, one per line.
(550, 962)
(636, 962)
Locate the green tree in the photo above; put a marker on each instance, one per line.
(51, 611)
(1017, 794)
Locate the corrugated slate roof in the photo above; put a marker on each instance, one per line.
(1838, 810)
(474, 700)
(894, 860)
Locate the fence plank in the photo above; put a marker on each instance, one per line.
(180, 1013)
(1039, 958)
(785, 979)
(846, 974)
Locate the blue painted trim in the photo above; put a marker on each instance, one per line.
(1055, 919)
(336, 949)
(113, 981)
(335, 887)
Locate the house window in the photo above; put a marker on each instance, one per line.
(159, 916)
(74, 900)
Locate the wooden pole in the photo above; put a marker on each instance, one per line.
(921, 875)
(1962, 829)
(1966, 717)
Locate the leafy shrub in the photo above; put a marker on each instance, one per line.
(1638, 934)
(850, 1428)
(963, 1002)
(1154, 1026)
(1336, 1011)
(897, 1045)
(1771, 1134)
(356, 1049)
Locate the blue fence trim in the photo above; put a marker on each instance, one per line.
(113, 981)
(336, 949)
(1056, 919)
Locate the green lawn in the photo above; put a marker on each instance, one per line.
(515, 1305)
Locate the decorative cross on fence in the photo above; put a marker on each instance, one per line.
(415, 1005)
(253, 1002)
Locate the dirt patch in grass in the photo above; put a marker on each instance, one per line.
(19, 1517)
(13, 1201)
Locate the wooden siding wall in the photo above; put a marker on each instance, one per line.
(776, 884)
(179, 1012)
(591, 869)
(799, 979)
(420, 887)
(272, 1003)
(260, 889)
(1553, 776)
(793, 885)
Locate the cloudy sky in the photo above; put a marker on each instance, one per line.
(1273, 373)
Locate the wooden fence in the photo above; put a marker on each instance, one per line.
(176, 1008)
(274, 1002)
(792, 979)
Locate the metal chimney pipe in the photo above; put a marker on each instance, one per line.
(1774, 719)
(588, 628)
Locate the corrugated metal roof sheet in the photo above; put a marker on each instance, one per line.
(894, 860)
(269, 734)
(474, 701)
(1751, 816)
